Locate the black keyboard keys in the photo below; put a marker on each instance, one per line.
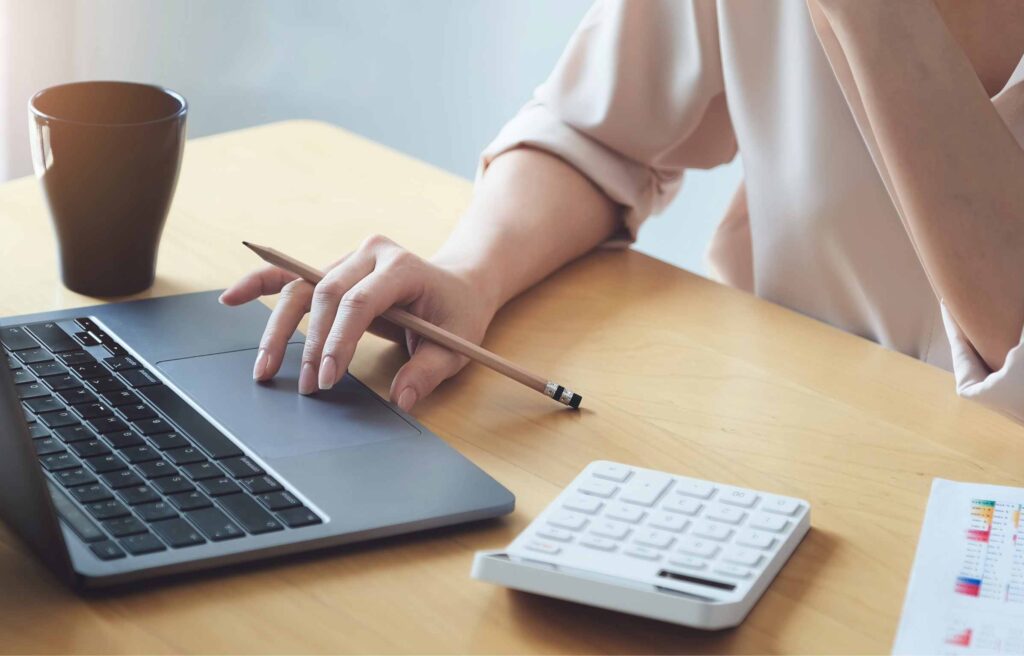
(104, 425)
(177, 533)
(27, 391)
(209, 439)
(15, 338)
(58, 419)
(90, 370)
(121, 363)
(51, 368)
(22, 375)
(73, 477)
(89, 448)
(123, 439)
(107, 550)
(44, 404)
(219, 486)
(165, 441)
(152, 426)
(173, 484)
(79, 522)
(31, 356)
(139, 378)
(137, 495)
(124, 526)
(202, 470)
(93, 410)
(157, 468)
(77, 396)
(121, 478)
(103, 384)
(277, 501)
(37, 430)
(136, 412)
(90, 493)
(155, 511)
(74, 433)
(59, 461)
(121, 397)
(53, 337)
(76, 357)
(140, 454)
(107, 509)
(63, 382)
(260, 484)
(296, 517)
(190, 500)
(105, 464)
(215, 525)
(249, 514)
(186, 456)
(47, 445)
(143, 543)
(242, 467)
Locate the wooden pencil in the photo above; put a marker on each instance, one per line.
(435, 334)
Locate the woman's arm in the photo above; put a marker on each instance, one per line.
(957, 170)
(531, 213)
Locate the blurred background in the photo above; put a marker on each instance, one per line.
(435, 80)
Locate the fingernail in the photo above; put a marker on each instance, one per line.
(407, 399)
(328, 372)
(260, 368)
(220, 299)
(307, 379)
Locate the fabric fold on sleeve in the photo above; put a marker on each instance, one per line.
(1001, 390)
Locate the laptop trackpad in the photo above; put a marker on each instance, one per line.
(272, 418)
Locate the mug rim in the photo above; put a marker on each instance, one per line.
(181, 111)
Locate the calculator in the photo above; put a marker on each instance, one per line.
(683, 550)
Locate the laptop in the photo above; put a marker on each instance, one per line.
(135, 444)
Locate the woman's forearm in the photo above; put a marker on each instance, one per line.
(957, 170)
(531, 213)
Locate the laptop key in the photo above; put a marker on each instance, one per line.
(123, 526)
(173, 484)
(136, 411)
(77, 433)
(44, 404)
(138, 494)
(21, 375)
(77, 520)
(118, 398)
(186, 456)
(37, 430)
(143, 543)
(53, 337)
(63, 382)
(31, 391)
(31, 356)
(215, 525)
(93, 410)
(249, 514)
(297, 517)
(139, 378)
(107, 509)
(76, 396)
(121, 363)
(155, 511)
(90, 493)
(51, 368)
(124, 439)
(91, 369)
(279, 501)
(29, 417)
(74, 477)
(14, 338)
(165, 441)
(104, 425)
(47, 445)
(177, 533)
(157, 468)
(103, 384)
(212, 441)
(242, 467)
(121, 478)
(152, 426)
(190, 500)
(58, 419)
(59, 461)
(105, 464)
(113, 348)
(260, 484)
(85, 339)
(199, 471)
(218, 486)
(89, 448)
(107, 550)
(76, 357)
(140, 454)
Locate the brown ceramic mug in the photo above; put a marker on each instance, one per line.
(108, 155)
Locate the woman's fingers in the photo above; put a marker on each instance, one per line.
(290, 308)
(261, 282)
(428, 367)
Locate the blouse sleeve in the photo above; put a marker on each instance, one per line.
(636, 99)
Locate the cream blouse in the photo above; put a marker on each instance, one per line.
(649, 88)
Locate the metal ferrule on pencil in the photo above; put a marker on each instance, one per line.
(562, 394)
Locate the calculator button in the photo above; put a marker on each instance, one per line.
(543, 547)
(712, 531)
(612, 471)
(603, 489)
(742, 557)
(769, 523)
(613, 530)
(652, 538)
(557, 534)
(569, 520)
(583, 504)
(689, 562)
(781, 506)
(698, 489)
(727, 514)
(755, 539)
(741, 498)
(601, 544)
(669, 522)
(643, 553)
(645, 488)
(625, 513)
(682, 505)
(695, 547)
(733, 572)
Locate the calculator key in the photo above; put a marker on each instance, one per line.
(733, 571)
(668, 522)
(781, 506)
(698, 489)
(653, 538)
(727, 514)
(625, 513)
(689, 562)
(541, 546)
(642, 553)
(696, 547)
(570, 520)
(645, 488)
(583, 504)
(742, 557)
(712, 531)
(607, 529)
(612, 471)
(556, 534)
(682, 505)
(769, 523)
(601, 544)
(598, 488)
(741, 498)
(755, 539)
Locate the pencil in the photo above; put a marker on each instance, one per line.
(435, 334)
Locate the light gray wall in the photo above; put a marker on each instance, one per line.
(433, 79)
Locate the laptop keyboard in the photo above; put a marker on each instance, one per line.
(132, 468)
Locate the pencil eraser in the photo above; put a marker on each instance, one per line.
(574, 402)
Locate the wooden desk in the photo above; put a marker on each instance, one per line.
(678, 373)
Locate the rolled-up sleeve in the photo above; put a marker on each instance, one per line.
(1001, 390)
(636, 99)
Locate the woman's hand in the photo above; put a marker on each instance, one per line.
(354, 292)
